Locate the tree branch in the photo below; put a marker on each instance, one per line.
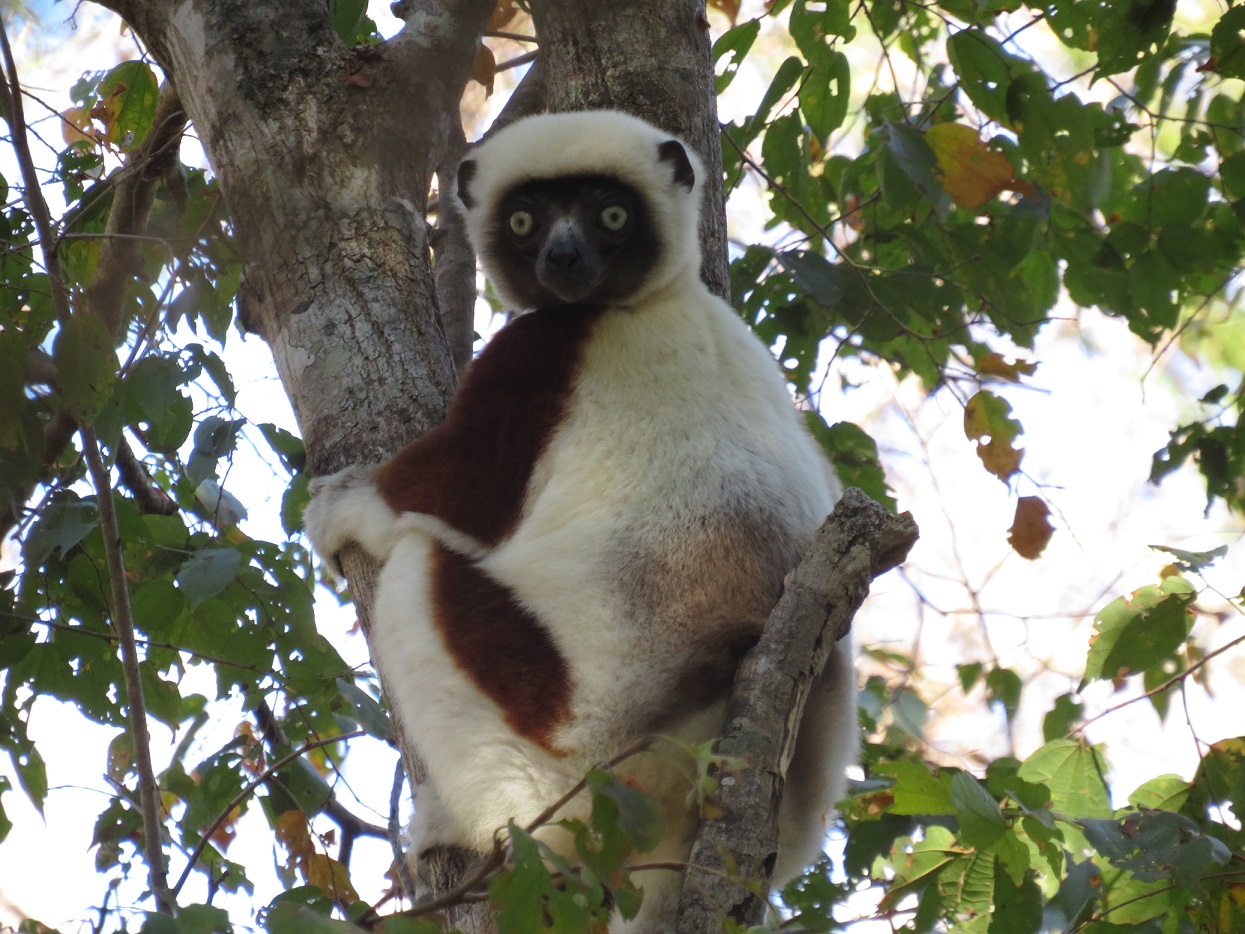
(120, 253)
(123, 623)
(455, 269)
(859, 541)
(351, 824)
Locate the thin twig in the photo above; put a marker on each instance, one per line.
(1160, 688)
(123, 623)
(513, 36)
(405, 877)
(517, 61)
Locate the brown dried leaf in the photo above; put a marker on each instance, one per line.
(504, 13)
(484, 68)
(1031, 530)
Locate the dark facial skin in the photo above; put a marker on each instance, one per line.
(577, 239)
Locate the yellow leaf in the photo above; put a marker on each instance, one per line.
(972, 172)
(331, 878)
(986, 416)
(76, 126)
(996, 365)
(292, 831)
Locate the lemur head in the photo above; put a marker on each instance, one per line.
(595, 207)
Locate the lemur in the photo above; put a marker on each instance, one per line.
(581, 552)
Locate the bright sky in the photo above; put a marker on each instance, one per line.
(1092, 419)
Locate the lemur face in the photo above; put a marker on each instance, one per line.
(594, 208)
(574, 239)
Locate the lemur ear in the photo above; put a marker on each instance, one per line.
(466, 175)
(672, 151)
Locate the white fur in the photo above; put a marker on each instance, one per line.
(679, 428)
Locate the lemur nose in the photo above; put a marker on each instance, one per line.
(562, 257)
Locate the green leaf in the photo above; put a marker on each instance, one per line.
(129, 93)
(153, 402)
(208, 572)
(1164, 793)
(1227, 44)
(520, 892)
(969, 675)
(290, 918)
(6, 824)
(32, 774)
(62, 524)
(1017, 907)
(1079, 890)
(365, 710)
(981, 821)
(86, 365)
(1003, 687)
(215, 438)
(923, 864)
(348, 15)
(191, 919)
(917, 789)
(784, 80)
(164, 701)
(1154, 845)
(1013, 857)
(1135, 634)
(1169, 196)
(823, 108)
(1193, 560)
(986, 70)
(968, 884)
(1074, 774)
(913, 154)
(735, 42)
(638, 817)
(854, 456)
(1129, 30)
(1059, 720)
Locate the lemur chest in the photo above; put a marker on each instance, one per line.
(661, 491)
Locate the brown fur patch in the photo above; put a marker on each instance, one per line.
(473, 469)
(501, 647)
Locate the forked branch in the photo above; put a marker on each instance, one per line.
(858, 542)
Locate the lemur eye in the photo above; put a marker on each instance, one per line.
(521, 223)
(614, 218)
